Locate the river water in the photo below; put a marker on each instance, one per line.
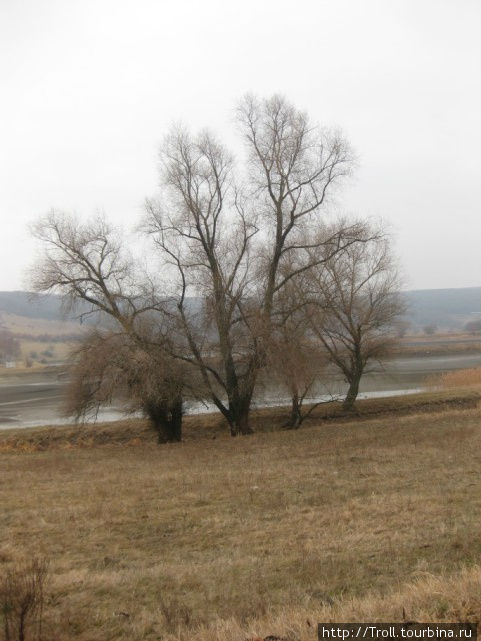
(34, 402)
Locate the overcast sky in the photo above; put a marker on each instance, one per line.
(89, 89)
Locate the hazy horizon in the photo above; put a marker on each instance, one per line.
(91, 88)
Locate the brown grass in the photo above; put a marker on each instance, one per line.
(221, 539)
(463, 378)
(426, 598)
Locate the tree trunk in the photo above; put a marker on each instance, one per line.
(295, 418)
(175, 420)
(239, 411)
(166, 419)
(353, 391)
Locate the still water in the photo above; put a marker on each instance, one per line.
(39, 402)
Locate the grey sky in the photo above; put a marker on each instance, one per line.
(89, 88)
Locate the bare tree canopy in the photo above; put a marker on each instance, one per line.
(293, 168)
(86, 262)
(354, 303)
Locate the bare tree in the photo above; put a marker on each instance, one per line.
(204, 231)
(233, 244)
(87, 264)
(109, 366)
(295, 363)
(354, 304)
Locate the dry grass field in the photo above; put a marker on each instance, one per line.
(376, 517)
(458, 343)
(462, 378)
(41, 341)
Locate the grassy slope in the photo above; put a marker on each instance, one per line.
(202, 426)
(218, 539)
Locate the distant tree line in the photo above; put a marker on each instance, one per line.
(254, 277)
(473, 327)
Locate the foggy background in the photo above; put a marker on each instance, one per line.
(89, 89)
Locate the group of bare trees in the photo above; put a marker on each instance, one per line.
(252, 277)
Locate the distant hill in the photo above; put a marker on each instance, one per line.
(445, 308)
(33, 306)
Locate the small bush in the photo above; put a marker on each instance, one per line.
(22, 599)
(430, 330)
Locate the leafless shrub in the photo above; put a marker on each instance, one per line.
(109, 365)
(22, 600)
(295, 359)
